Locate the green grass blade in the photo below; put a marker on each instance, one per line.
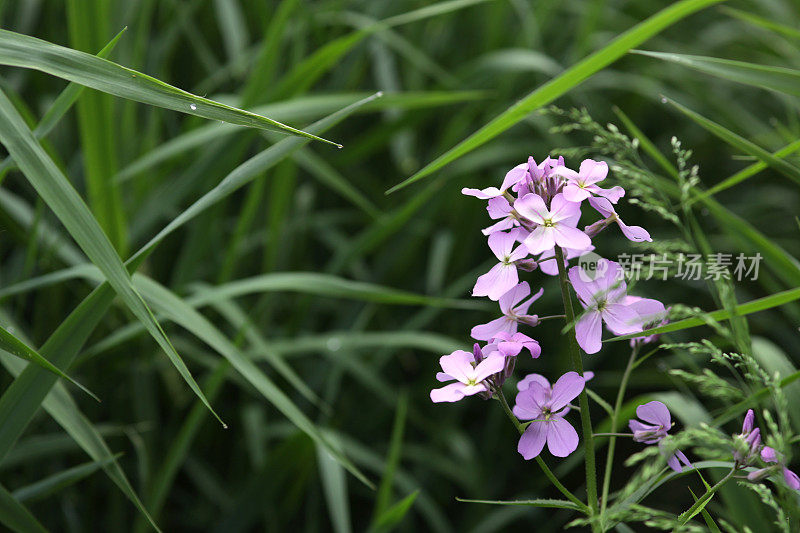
(87, 24)
(334, 485)
(779, 79)
(563, 83)
(747, 172)
(18, 50)
(767, 24)
(384, 497)
(753, 306)
(57, 192)
(14, 346)
(184, 315)
(248, 171)
(395, 514)
(552, 504)
(330, 286)
(740, 143)
(15, 516)
(52, 484)
(61, 105)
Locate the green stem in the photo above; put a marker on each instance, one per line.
(577, 363)
(498, 393)
(701, 502)
(613, 440)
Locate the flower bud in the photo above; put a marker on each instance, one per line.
(532, 320)
(528, 265)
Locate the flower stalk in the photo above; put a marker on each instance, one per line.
(583, 402)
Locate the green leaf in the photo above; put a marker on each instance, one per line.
(14, 346)
(61, 104)
(328, 285)
(563, 83)
(61, 197)
(52, 484)
(788, 31)
(779, 79)
(334, 485)
(14, 515)
(553, 504)
(19, 50)
(706, 516)
(740, 143)
(753, 306)
(33, 387)
(384, 496)
(395, 514)
(746, 173)
(183, 314)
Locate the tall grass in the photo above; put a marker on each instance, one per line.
(180, 237)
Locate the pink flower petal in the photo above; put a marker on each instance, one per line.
(526, 382)
(566, 389)
(574, 193)
(532, 207)
(588, 331)
(592, 171)
(542, 238)
(532, 441)
(485, 332)
(562, 439)
(656, 413)
(450, 393)
(621, 319)
(498, 281)
(483, 194)
(493, 364)
(569, 237)
(513, 297)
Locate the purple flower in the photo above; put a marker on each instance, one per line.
(470, 377)
(750, 439)
(513, 176)
(651, 313)
(513, 313)
(500, 208)
(528, 380)
(603, 300)
(549, 265)
(554, 226)
(545, 407)
(657, 422)
(582, 184)
(769, 455)
(511, 345)
(503, 276)
(604, 207)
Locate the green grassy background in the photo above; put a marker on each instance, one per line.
(311, 307)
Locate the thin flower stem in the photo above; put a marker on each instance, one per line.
(498, 393)
(613, 434)
(693, 510)
(613, 441)
(577, 363)
(550, 317)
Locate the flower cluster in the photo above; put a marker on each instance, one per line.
(749, 449)
(537, 211)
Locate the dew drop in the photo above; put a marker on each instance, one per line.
(193, 107)
(334, 344)
(663, 100)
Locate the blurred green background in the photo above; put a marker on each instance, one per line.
(358, 360)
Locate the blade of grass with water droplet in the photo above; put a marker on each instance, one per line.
(18, 50)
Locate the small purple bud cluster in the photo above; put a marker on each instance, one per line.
(749, 449)
(537, 208)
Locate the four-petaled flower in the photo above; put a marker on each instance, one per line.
(582, 184)
(657, 422)
(553, 226)
(513, 313)
(603, 299)
(461, 367)
(503, 276)
(545, 408)
(511, 345)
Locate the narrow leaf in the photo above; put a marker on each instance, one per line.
(563, 83)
